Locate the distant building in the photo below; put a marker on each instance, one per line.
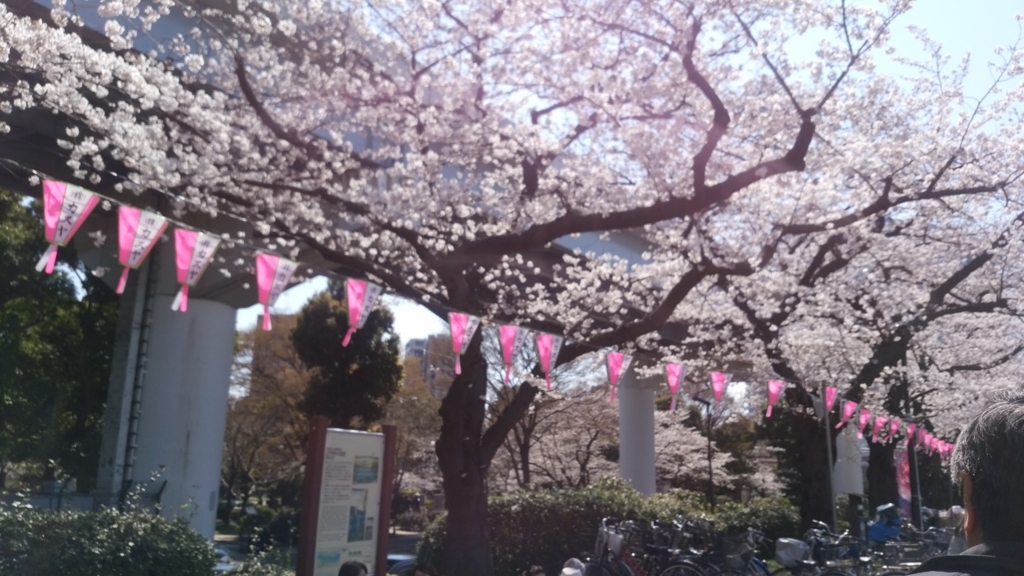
(437, 362)
(417, 348)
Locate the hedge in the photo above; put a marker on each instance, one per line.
(107, 542)
(547, 527)
(775, 516)
(269, 528)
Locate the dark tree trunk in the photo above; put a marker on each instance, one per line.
(881, 486)
(464, 453)
(467, 542)
(813, 467)
(524, 457)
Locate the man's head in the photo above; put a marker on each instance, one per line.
(352, 568)
(988, 464)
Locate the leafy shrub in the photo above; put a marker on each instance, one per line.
(547, 527)
(269, 527)
(679, 501)
(267, 563)
(108, 542)
(775, 516)
(414, 521)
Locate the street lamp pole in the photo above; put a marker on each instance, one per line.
(828, 464)
(711, 473)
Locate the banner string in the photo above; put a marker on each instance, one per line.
(312, 270)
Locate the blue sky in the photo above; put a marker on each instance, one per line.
(961, 26)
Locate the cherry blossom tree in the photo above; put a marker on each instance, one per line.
(451, 151)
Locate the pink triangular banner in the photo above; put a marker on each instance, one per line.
(830, 397)
(511, 338)
(775, 388)
(848, 409)
(463, 328)
(272, 276)
(865, 415)
(910, 433)
(879, 425)
(65, 208)
(137, 233)
(617, 363)
(674, 374)
(193, 252)
(360, 297)
(894, 427)
(719, 381)
(548, 346)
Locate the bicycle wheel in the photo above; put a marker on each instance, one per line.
(607, 569)
(751, 570)
(683, 568)
(808, 572)
(757, 568)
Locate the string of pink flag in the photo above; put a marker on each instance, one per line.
(67, 206)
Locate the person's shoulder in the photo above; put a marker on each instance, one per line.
(969, 566)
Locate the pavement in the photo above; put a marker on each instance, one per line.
(403, 542)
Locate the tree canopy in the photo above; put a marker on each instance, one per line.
(55, 351)
(766, 199)
(349, 385)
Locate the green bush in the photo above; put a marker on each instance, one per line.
(775, 516)
(414, 521)
(547, 527)
(267, 563)
(269, 527)
(108, 543)
(679, 501)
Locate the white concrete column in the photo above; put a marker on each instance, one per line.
(184, 407)
(636, 433)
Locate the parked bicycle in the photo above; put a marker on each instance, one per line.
(829, 554)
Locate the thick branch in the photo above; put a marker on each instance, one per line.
(542, 234)
(512, 412)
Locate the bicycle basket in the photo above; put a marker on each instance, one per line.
(789, 551)
(608, 539)
(737, 550)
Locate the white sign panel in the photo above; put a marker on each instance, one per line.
(848, 473)
(350, 495)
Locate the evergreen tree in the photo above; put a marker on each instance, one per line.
(56, 340)
(350, 385)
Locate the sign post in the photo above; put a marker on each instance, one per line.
(387, 482)
(346, 499)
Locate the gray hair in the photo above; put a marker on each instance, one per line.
(991, 451)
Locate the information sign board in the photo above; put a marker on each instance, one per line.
(344, 509)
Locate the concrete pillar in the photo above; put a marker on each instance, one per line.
(636, 433)
(184, 408)
(167, 403)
